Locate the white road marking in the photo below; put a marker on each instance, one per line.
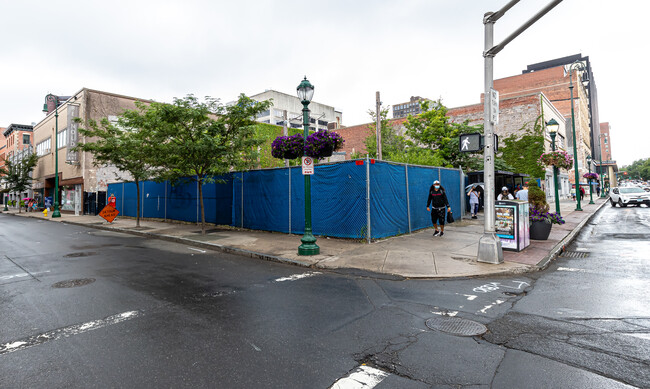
(255, 347)
(491, 305)
(22, 275)
(445, 313)
(569, 269)
(297, 276)
(65, 332)
(201, 251)
(363, 377)
(470, 297)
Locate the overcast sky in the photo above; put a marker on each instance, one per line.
(348, 50)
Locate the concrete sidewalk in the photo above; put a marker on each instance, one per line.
(416, 255)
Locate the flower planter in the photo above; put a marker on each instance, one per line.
(540, 230)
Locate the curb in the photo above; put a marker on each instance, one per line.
(189, 242)
(559, 248)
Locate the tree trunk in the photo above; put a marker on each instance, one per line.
(200, 182)
(137, 211)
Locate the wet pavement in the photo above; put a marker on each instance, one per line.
(163, 314)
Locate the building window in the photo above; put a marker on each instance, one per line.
(62, 138)
(294, 125)
(25, 139)
(280, 123)
(312, 120)
(322, 122)
(264, 113)
(44, 147)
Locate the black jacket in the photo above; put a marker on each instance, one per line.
(437, 199)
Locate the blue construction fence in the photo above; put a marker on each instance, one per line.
(359, 199)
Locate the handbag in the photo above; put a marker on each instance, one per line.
(450, 217)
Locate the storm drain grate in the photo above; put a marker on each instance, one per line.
(73, 283)
(456, 326)
(575, 254)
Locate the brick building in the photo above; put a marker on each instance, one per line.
(18, 142)
(355, 136)
(82, 185)
(3, 151)
(608, 167)
(516, 114)
(552, 79)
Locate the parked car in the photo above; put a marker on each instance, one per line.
(630, 195)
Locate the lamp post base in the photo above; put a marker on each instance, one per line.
(56, 212)
(308, 246)
(489, 249)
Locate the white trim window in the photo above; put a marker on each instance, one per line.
(62, 139)
(44, 147)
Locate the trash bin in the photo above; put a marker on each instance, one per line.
(512, 224)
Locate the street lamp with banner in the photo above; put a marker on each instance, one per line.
(591, 187)
(552, 127)
(308, 246)
(579, 66)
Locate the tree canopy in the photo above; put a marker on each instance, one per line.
(17, 175)
(639, 169)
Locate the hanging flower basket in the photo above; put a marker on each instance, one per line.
(559, 159)
(322, 144)
(590, 176)
(288, 147)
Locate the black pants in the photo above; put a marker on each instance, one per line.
(438, 216)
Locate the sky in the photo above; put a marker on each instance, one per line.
(348, 49)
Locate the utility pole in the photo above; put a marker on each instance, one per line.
(489, 247)
(285, 131)
(378, 126)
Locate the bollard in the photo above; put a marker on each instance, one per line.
(45, 212)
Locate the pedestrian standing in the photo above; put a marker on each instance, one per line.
(582, 193)
(474, 196)
(505, 195)
(598, 190)
(439, 207)
(523, 194)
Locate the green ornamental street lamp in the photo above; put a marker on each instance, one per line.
(308, 246)
(600, 169)
(579, 66)
(591, 187)
(552, 127)
(55, 99)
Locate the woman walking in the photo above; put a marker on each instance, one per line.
(439, 207)
(474, 195)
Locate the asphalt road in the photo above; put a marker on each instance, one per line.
(150, 313)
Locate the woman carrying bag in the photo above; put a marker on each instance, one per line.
(439, 207)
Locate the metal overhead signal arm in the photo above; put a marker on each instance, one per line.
(489, 248)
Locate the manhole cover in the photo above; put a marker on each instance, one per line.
(78, 255)
(575, 254)
(456, 326)
(73, 283)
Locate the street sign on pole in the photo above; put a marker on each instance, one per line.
(494, 106)
(307, 166)
(471, 143)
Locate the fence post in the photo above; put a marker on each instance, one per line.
(289, 169)
(369, 230)
(242, 199)
(408, 196)
(122, 198)
(165, 200)
(461, 175)
(142, 202)
(197, 202)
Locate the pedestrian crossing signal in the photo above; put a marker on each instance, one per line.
(471, 143)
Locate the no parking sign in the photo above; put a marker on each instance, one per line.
(307, 165)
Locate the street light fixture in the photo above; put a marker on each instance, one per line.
(55, 99)
(308, 246)
(577, 65)
(591, 187)
(552, 127)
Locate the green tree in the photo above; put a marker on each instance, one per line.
(392, 143)
(17, 175)
(126, 144)
(201, 140)
(639, 169)
(522, 152)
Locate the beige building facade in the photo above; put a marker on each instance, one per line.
(82, 185)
